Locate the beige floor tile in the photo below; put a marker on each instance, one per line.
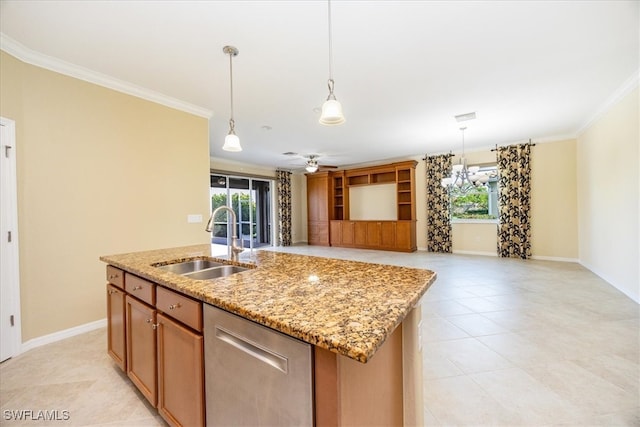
(437, 328)
(479, 304)
(476, 325)
(460, 401)
(530, 399)
(468, 355)
(587, 391)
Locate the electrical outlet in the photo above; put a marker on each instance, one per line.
(194, 218)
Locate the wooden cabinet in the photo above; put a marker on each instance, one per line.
(116, 341)
(141, 347)
(162, 346)
(383, 235)
(318, 208)
(329, 220)
(180, 373)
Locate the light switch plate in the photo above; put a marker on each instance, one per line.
(194, 218)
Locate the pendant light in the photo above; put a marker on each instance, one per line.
(231, 141)
(331, 109)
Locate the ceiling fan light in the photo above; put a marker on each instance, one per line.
(311, 169)
(231, 143)
(331, 113)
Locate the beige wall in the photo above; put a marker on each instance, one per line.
(608, 195)
(554, 201)
(99, 172)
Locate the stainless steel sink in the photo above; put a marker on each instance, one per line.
(215, 272)
(187, 267)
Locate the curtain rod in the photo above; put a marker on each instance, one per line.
(526, 143)
(450, 155)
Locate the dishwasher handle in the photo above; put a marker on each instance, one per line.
(252, 349)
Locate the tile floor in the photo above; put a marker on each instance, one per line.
(505, 343)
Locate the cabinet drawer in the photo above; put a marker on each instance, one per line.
(115, 276)
(180, 307)
(140, 288)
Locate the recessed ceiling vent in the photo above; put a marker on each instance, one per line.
(290, 153)
(465, 117)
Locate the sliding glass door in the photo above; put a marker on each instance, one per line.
(251, 200)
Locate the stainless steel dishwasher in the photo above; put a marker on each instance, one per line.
(255, 376)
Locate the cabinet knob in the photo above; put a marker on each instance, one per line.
(113, 276)
(135, 288)
(111, 292)
(173, 306)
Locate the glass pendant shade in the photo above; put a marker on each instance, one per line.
(232, 143)
(311, 169)
(331, 113)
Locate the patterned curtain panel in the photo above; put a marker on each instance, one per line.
(514, 200)
(284, 208)
(438, 215)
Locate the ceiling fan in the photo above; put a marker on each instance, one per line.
(311, 165)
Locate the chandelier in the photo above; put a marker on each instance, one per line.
(464, 177)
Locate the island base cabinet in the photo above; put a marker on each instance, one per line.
(350, 393)
(141, 347)
(180, 374)
(116, 338)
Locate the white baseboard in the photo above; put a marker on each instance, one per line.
(554, 258)
(475, 253)
(60, 335)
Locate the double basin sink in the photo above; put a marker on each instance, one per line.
(202, 269)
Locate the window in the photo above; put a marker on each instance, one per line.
(478, 203)
(251, 200)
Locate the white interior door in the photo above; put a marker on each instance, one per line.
(10, 335)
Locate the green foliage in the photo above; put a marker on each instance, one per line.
(220, 199)
(473, 204)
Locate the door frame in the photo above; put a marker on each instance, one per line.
(9, 251)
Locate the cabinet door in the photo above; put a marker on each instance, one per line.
(335, 235)
(373, 233)
(141, 347)
(347, 232)
(388, 234)
(180, 374)
(116, 343)
(360, 233)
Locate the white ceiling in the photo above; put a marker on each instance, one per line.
(402, 69)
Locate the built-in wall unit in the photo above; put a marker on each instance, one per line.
(370, 207)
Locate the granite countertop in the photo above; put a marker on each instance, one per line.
(347, 307)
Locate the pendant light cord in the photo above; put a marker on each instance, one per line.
(330, 83)
(231, 120)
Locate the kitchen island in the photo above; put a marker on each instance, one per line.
(359, 317)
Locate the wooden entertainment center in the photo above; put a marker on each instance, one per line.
(328, 208)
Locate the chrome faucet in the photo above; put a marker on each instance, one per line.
(235, 247)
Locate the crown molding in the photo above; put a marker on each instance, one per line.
(18, 50)
(630, 84)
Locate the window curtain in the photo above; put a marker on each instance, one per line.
(514, 200)
(438, 215)
(284, 207)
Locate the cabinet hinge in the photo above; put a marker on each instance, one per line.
(11, 320)
(9, 236)
(6, 150)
